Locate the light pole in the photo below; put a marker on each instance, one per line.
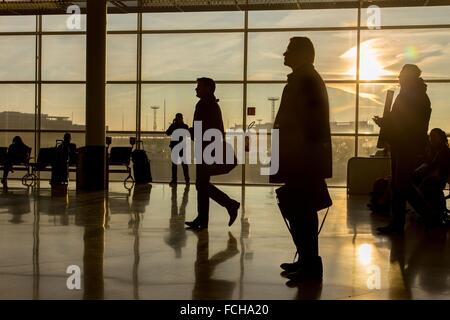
(273, 100)
(155, 108)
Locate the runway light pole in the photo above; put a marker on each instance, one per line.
(155, 108)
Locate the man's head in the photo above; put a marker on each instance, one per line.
(438, 138)
(409, 72)
(17, 140)
(67, 137)
(205, 87)
(299, 51)
(179, 117)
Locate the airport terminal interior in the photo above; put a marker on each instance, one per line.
(114, 74)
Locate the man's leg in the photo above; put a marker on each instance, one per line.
(185, 172)
(218, 195)
(398, 208)
(202, 185)
(304, 224)
(224, 200)
(174, 173)
(7, 168)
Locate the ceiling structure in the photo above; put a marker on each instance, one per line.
(23, 7)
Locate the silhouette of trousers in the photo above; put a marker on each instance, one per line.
(185, 172)
(302, 218)
(206, 190)
(403, 165)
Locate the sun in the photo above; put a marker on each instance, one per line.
(371, 67)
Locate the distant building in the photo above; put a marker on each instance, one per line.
(19, 120)
(336, 127)
(346, 127)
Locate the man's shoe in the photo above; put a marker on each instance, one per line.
(311, 270)
(290, 267)
(390, 230)
(5, 183)
(233, 212)
(196, 224)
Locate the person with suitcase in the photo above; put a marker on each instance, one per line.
(65, 154)
(207, 111)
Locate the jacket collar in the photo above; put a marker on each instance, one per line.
(300, 70)
(211, 98)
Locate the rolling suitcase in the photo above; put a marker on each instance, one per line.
(141, 165)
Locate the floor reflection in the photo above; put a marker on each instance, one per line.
(176, 237)
(135, 246)
(207, 287)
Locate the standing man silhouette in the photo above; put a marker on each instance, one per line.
(406, 129)
(304, 157)
(178, 123)
(207, 111)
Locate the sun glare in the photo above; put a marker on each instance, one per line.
(371, 67)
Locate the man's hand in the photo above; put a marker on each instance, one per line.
(378, 121)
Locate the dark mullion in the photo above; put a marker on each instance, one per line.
(358, 65)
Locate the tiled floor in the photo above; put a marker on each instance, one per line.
(135, 247)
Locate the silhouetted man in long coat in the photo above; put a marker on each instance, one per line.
(207, 111)
(304, 157)
(406, 131)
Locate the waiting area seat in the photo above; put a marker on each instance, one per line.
(121, 157)
(20, 165)
(119, 161)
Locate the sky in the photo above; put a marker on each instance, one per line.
(220, 56)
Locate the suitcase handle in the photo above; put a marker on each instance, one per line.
(138, 144)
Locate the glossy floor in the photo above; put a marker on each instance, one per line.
(135, 247)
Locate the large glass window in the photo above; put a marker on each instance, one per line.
(193, 20)
(17, 106)
(341, 97)
(178, 47)
(384, 52)
(121, 22)
(64, 57)
(64, 22)
(17, 58)
(372, 98)
(169, 99)
(121, 62)
(17, 23)
(303, 18)
(335, 54)
(189, 56)
(420, 15)
(63, 107)
(121, 107)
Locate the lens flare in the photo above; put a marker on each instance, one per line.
(411, 54)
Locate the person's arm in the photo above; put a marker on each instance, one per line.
(170, 130)
(315, 99)
(212, 118)
(197, 117)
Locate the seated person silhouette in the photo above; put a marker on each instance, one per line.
(431, 178)
(18, 153)
(65, 155)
